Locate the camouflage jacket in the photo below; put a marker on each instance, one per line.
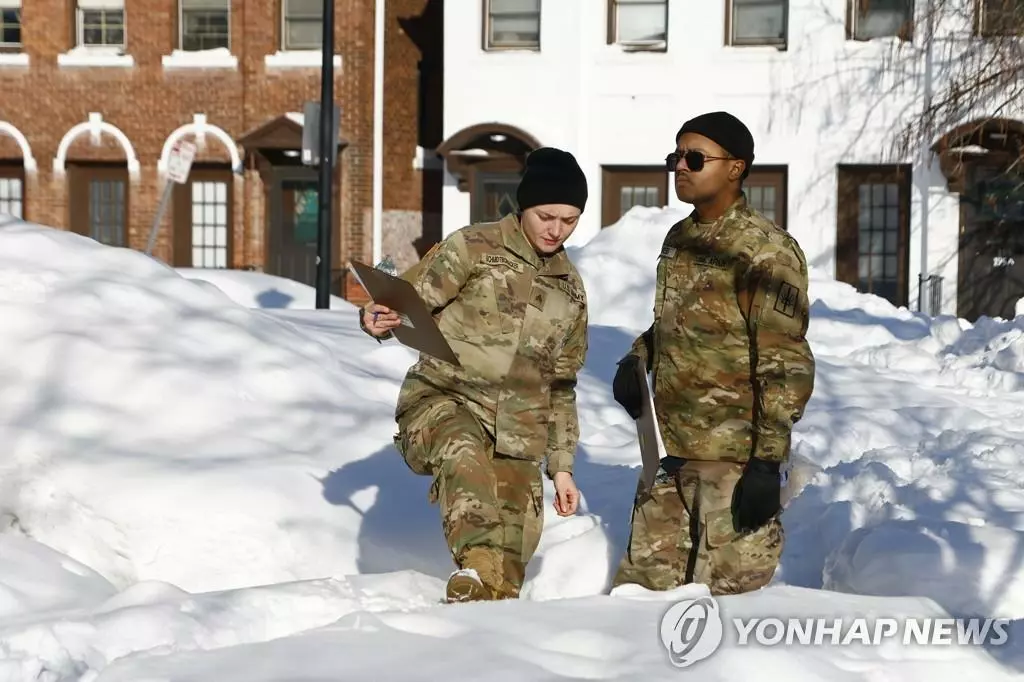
(518, 324)
(730, 363)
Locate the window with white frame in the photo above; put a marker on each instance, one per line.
(302, 24)
(10, 24)
(101, 23)
(881, 18)
(11, 195)
(639, 23)
(758, 22)
(210, 224)
(512, 24)
(204, 24)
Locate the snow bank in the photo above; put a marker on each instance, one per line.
(154, 429)
(260, 290)
(191, 465)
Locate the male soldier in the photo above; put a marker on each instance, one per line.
(514, 310)
(732, 372)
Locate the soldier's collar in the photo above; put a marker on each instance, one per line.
(735, 208)
(515, 241)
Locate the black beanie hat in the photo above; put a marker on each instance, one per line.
(725, 130)
(552, 176)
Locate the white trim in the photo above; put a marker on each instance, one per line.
(13, 59)
(27, 159)
(101, 4)
(94, 126)
(200, 128)
(219, 58)
(87, 56)
(298, 59)
(10, 4)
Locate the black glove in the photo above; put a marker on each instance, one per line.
(757, 496)
(626, 386)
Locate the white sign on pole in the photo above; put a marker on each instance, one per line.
(180, 161)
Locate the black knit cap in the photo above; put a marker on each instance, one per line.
(725, 130)
(552, 176)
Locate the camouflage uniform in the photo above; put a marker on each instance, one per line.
(518, 323)
(732, 372)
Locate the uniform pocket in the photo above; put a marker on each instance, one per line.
(718, 528)
(415, 439)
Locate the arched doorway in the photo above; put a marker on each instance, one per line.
(487, 161)
(984, 162)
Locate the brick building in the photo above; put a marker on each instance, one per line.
(95, 93)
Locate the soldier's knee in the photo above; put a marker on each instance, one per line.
(440, 429)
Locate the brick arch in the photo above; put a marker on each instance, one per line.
(94, 126)
(27, 160)
(979, 132)
(199, 128)
(486, 147)
(986, 140)
(462, 139)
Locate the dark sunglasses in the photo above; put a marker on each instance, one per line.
(695, 160)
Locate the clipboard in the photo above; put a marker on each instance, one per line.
(418, 329)
(647, 434)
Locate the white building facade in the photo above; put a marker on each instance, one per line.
(613, 80)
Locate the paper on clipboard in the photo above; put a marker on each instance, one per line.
(652, 448)
(418, 329)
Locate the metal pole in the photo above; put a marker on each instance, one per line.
(159, 216)
(378, 130)
(324, 193)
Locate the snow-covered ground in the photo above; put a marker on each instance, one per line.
(197, 483)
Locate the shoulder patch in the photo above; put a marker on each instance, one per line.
(668, 252)
(498, 259)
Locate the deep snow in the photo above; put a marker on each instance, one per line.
(198, 484)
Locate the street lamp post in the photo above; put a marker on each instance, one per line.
(324, 189)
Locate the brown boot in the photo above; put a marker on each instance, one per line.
(479, 577)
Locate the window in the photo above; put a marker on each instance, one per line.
(623, 187)
(303, 24)
(494, 195)
(204, 24)
(10, 24)
(203, 219)
(101, 23)
(512, 24)
(873, 230)
(1001, 17)
(638, 23)
(766, 189)
(880, 19)
(12, 190)
(758, 22)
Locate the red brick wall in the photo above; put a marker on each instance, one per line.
(148, 103)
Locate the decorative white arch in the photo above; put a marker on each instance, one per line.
(27, 159)
(94, 126)
(200, 128)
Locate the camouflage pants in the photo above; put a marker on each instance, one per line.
(682, 533)
(485, 499)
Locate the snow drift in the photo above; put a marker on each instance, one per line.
(193, 465)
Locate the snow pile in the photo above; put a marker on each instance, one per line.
(197, 484)
(260, 290)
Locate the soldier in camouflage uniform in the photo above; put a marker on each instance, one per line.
(731, 370)
(514, 310)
